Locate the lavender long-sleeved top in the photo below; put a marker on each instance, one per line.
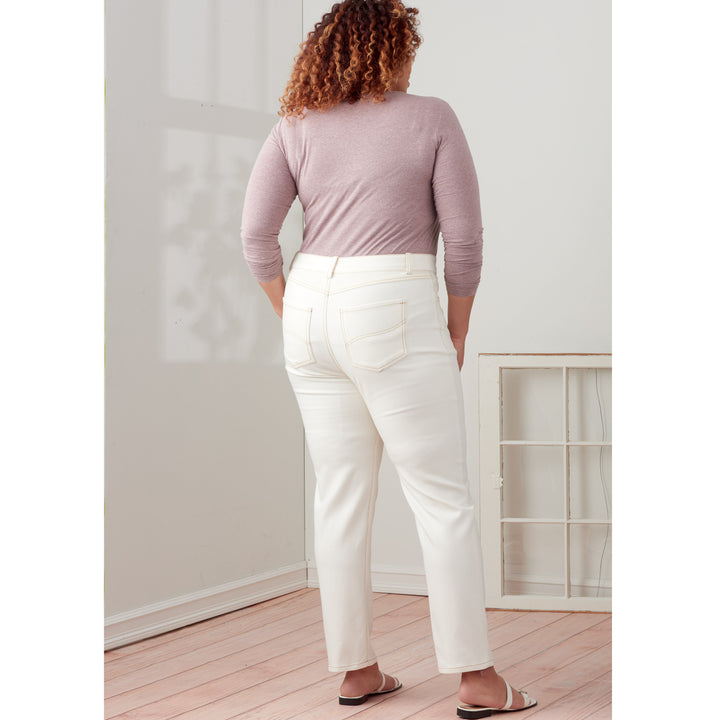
(373, 179)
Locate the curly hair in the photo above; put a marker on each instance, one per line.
(356, 50)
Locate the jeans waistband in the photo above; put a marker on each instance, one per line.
(332, 264)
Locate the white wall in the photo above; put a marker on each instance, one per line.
(530, 82)
(204, 475)
(203, 511)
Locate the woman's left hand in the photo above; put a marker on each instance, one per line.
(275, 290)
(458, 322)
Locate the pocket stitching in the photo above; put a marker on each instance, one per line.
(444, 331)
(380, 332)
(401, 324)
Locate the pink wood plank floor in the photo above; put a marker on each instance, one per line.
(267, 662)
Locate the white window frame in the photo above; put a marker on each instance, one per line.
(490, 368)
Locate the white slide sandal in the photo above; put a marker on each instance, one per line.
(472, 712)
(360, 699)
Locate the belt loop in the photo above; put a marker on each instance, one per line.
(332, 267)
(408, 263)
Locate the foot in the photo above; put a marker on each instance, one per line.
(486, 688)
(364, 681)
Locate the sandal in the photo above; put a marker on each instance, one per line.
(480, 711)
(360, 699)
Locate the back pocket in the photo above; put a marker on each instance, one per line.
(296, 335)
(375, 334)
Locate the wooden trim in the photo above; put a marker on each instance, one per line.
(545, 354)
(157, 618)
(552, 603)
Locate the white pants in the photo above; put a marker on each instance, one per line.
(370, 359)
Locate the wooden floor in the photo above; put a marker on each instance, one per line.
(268, 662)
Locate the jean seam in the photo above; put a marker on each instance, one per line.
(355, 666)
(395, 278)
(326, 335)
(467, 668)
(307, 285)
(368, 536)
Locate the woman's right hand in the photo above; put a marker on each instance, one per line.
(459, 343)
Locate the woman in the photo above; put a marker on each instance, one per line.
(379, 173)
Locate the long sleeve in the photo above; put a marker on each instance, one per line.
(270, 193)
(457, 203)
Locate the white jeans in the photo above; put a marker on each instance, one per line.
(370, 359)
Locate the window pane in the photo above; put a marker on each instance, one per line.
(533, 559)
(590, 404)
(533, 482)
(532, 404)
(590, 560)
(590, 482)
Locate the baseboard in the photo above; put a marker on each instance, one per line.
(404, 581)
(149, 620)
(550, 587)
(128, 627)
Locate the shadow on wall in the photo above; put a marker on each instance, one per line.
(197, 398)
(215, 106)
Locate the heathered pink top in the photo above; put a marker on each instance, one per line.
(373, 179)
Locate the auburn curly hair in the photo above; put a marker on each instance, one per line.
(356, 50)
